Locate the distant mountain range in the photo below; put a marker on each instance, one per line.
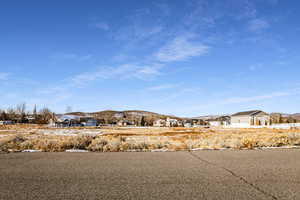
(294, 116)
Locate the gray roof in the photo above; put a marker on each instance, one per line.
(221, 118)
(250, 112)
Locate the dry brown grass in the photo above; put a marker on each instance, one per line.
(145, 139)
(11, 143)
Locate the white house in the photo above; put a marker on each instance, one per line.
(219, 121)
(159, 123)
(171, 122)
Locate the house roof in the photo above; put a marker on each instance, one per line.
(250, 112)
(221, 118)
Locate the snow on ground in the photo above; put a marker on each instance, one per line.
(31, 150)
(199, 149)
(7, 130)
(69, 132)
(76, 151)
(161, 150)
(283, 147)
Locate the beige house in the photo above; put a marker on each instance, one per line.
(219, 121)
(159, 123)
(250, 118)
(171, 122)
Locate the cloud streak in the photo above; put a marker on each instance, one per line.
(236, 100)
(162, 87)
(71, 56)
(181, 48)
(125, 71)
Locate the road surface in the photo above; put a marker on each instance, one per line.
(268, 174)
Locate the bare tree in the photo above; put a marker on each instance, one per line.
(21, 112)
(3, 115)
(21, 108)
(45, 115)
(11, 114)
(34, 112)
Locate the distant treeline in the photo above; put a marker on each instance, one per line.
(19, 114)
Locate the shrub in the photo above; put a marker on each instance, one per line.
(11, 143)
(97, 144)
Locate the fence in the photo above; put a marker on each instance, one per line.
(274, 126)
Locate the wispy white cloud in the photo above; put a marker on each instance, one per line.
(137, 32)
(148, 70)
(4, 76)
(244, 101)
(257, 25)
(181, 48)
(101, 25)
(272, 95)
(163, 87)
(125, 71)
(71, 56)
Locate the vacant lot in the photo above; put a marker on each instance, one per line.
(112, 139)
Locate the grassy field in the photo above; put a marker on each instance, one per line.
(16, 138)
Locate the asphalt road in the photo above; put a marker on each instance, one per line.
(268, 174)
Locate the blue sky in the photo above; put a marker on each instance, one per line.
(186, 58)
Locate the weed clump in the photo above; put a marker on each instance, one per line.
(11, 143)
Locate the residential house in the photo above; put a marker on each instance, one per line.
(188, 123)
(68, 121)
(125, 123)
(250, 118)
(30, 119)
(6, 122)
(219, 121)
(198, 122)
(171, 122)
(159, 123)
(89, 121)
(119, 115)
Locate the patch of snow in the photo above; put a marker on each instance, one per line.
(198, 149)
(31, 150)
(132, 150)
(3, 136)
(160, 150)
(69, 132)
(77, 151)
(219, 149)
(13, 150)
(283, 147)
(258, 148)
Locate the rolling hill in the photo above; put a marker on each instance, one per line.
(111, 116)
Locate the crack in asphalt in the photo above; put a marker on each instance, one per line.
(235, 175)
